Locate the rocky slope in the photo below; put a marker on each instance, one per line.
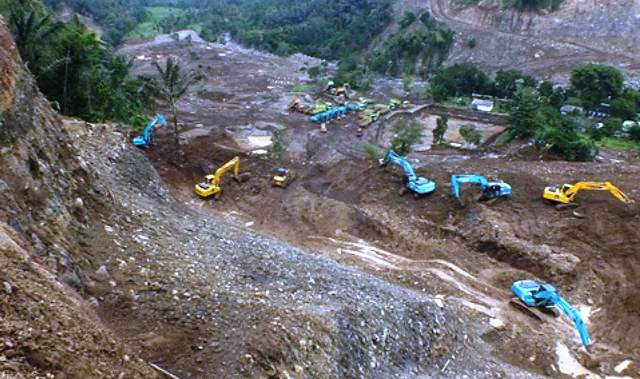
(46, 328)
(547, 44)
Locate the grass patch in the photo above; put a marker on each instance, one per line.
(504, 138)
(302, 87)
(619, 144)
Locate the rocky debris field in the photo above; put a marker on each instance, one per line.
(203, 296)
(346, 209)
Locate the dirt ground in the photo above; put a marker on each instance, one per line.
(343, 206)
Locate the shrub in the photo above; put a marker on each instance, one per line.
(373, 152)
(470, 134)
(407, 19)
(634, 132)
(406, 135)
(623, 108)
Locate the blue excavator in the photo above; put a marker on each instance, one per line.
(490, 190)
(147, 136)
(418, 185)
(544, 296)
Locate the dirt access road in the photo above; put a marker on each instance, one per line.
(342, 206)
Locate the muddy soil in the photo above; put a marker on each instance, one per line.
(343, 206)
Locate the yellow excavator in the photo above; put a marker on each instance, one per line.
(211, 187)
(567, 193)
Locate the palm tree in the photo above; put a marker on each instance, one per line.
(30, 30)
(171, 84)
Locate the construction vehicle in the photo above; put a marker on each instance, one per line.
(418, 185)
(370, 116)
(147, 136)
(490, 190)
(211, 187)
(296, 105)
(336, 112)
(282, 177)
(533, 295)
(567, 193)
(334, 90)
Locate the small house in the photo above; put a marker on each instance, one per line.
(482, 105)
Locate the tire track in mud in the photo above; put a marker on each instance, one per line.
(456, 277)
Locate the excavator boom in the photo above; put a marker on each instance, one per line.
(418, 185)
(147, 136)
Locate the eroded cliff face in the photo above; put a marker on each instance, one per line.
(601, 24)
(546, 44)
(45, 190)
(45, 197)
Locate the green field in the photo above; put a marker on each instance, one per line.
(619, 144)
(156, 15)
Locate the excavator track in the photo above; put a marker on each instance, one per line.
(539, 314)
(533, 312)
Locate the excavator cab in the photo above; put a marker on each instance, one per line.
(207, 188)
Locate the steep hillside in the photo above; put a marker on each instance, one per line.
(46, 328)
(547, 44)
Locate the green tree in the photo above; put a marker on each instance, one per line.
(522, 120)
(623, 108)
(557, 98)
(171, 85)
(596, 83)
(546, 89)
(559, 135)
(440, 130)
(507, 82)
(460, 79)
(407, 19)
(609, 128)
(81, 50)
(470, 134)
(405, 136)
(31, 31)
